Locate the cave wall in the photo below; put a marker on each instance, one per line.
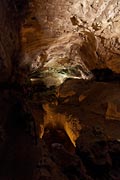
(11, 16)
(96, 24)
(10, 20)
(56, 17)
(50, 29)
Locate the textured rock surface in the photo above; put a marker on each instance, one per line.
(51, 23)
(46, 167)
(95, 150)
(60, 39)
(11, 16)
(9, 38)
(77, 104)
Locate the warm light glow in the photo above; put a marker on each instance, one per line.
(62, 121)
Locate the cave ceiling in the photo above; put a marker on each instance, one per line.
(72, 37)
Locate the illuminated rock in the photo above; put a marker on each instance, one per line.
(70, 124)
(56, 24)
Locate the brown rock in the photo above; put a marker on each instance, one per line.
(113, 112)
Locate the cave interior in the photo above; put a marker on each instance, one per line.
(60, 90)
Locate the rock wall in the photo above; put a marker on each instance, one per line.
(97, 23)
(10, 20)
(58, 17)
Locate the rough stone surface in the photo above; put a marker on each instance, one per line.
(97, 23)
(77, 121)
(9, 38)
(12, 14)
(95, 150)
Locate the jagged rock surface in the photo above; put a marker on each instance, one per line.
(55, 36)
(95, 149)
(50, 24)
(10, 20)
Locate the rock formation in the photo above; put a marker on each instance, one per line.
(59, 86)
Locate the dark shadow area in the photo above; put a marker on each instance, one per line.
(105, 75)
(57, 137)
